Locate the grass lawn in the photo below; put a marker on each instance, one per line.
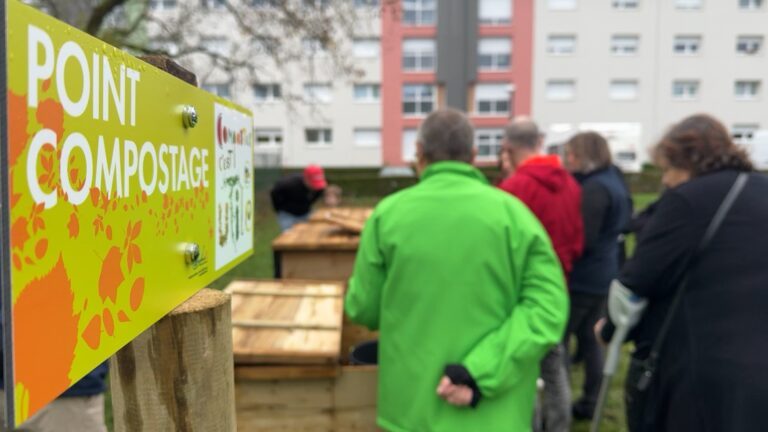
(259, 265)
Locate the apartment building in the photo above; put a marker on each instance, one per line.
(410, 58)
(473, 55)
(625, 68)
(630, 68)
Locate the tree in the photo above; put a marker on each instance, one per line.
(244, 39)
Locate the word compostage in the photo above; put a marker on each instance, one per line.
(164, 167)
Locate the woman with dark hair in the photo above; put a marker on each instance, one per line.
(708, 367)
(606, 210)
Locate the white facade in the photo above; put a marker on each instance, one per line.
(306, 111)
(632, 68)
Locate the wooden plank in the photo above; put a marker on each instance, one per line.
(346, 403)
(325, 265)
(359, 213)
(274, 372)
(316, 236)
(275, 293)
(356, 387)
(277, 395)
(352, 225)
(289, 325)
(288, 286)
(355, 420)
(269, 327)
(280, 421)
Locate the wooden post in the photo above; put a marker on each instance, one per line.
(178, 375)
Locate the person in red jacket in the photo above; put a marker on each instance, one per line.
(553, 195)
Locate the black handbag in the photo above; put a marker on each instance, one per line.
(639, 405)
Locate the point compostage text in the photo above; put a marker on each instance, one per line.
(159, 168)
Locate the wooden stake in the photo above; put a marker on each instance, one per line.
(178, 375)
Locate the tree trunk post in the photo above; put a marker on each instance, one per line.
(179, 374)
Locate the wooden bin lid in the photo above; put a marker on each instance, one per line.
(316, 236)
(358, 213)
(286, 322)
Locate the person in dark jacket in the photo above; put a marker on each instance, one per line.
(293, 196)
(711, 370)
(606, 210)
(552, 194)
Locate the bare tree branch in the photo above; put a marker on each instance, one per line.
(99, 13)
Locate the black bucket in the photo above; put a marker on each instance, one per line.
(366, 353)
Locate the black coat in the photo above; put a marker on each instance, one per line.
(291, 194)
(713, 371)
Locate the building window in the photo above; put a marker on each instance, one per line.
(215, 45)
(418, 99)
(749, 45)
(317, 93)
(269, 138)
(492, 99)
(318, 137)
(561, 90)
(685, 89)
(419, 12)
(366, 3)
(747, 90)
(162, 4)
(367, 137)
(418, 55)
(488, 142)
(220, 90)
(750, 4)
(313, 46)
(267, 92)
(624, 89)
(687, 45)
(495, 12)
(688, 4)
(366, 48)
(494, 54)
(367, 92)
(561, 4)
(626, 4)
(561, 44)
(408, 144)
(624, 45)
(744, 133)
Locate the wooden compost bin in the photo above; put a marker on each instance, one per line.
(318, 250)
(288, 376)
(324, 251)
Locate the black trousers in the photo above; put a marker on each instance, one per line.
(586, 310)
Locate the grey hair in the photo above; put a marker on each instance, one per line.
(523, 132)
(447, 135)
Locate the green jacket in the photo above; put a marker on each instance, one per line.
(455, 271)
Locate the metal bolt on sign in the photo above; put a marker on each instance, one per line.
(192, 253)
(189, 116)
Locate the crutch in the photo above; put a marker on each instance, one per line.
(625, 310)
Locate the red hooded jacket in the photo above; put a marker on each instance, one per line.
(554, 196)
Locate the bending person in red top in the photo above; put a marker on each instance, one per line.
(553, 195)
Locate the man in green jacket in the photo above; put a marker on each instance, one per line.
(463, 284)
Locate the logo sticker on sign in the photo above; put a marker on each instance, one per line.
(234, 185)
